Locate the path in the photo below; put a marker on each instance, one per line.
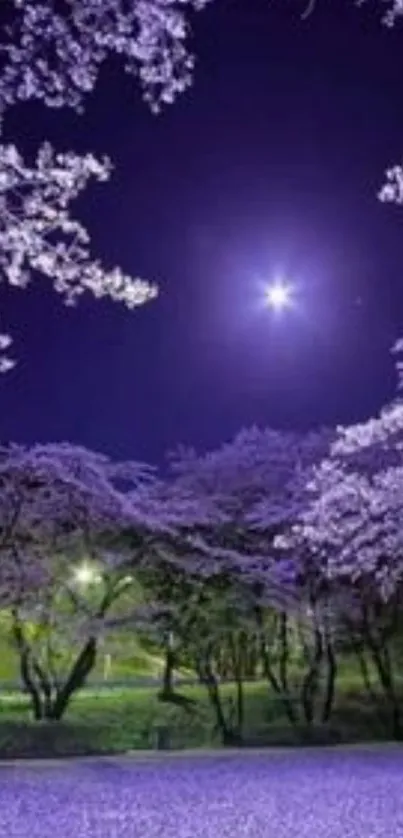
(340, 793)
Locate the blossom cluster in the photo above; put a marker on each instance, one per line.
(273, 521)
(60, 504)
(392, 12)
(254, 487)
(38, 235)
(54, 52)
(350, 529)
(37, 232)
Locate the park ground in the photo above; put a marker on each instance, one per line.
(107, 719)
(117, 720)
(339, 793)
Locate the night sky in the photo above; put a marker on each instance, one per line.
(271, 162)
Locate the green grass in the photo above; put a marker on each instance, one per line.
(121, 720)
(117, 720)
(129, 660)
(136, 663)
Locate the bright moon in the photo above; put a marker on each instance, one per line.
(278, 296)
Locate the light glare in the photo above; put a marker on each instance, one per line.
(86, 575)
(278, 296)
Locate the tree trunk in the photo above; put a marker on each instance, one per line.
(284, 652)
(251, 658)
(46, 689)
(360, 654)
(330, 687)
(206, 676)
(27, 676)
(30, 686)
(310, 684)
(236, 654)
(383, 663)
(77, 678)
(384, 667)
(269, 674)
(167, 688)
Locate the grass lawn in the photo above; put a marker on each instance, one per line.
(119, 720)
(131, 661)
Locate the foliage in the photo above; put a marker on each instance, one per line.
(39, 236)
(350, 536)
(53, 53)
(121, 720)
(274, 556)
(221, 576)
(58, 506)
(268, 556)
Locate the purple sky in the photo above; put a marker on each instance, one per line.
(272, 161)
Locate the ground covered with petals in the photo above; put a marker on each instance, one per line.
(311, 793)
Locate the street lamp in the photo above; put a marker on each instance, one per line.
(86, 574)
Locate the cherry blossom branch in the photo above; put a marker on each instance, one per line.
(55, 53)
(39, 236)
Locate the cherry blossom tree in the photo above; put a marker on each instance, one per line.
(53, 52)
(171, 570)
(256, 484)
(63, 562)
(351, 532)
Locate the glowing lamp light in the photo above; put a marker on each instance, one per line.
(279, 296)
(85, 574)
